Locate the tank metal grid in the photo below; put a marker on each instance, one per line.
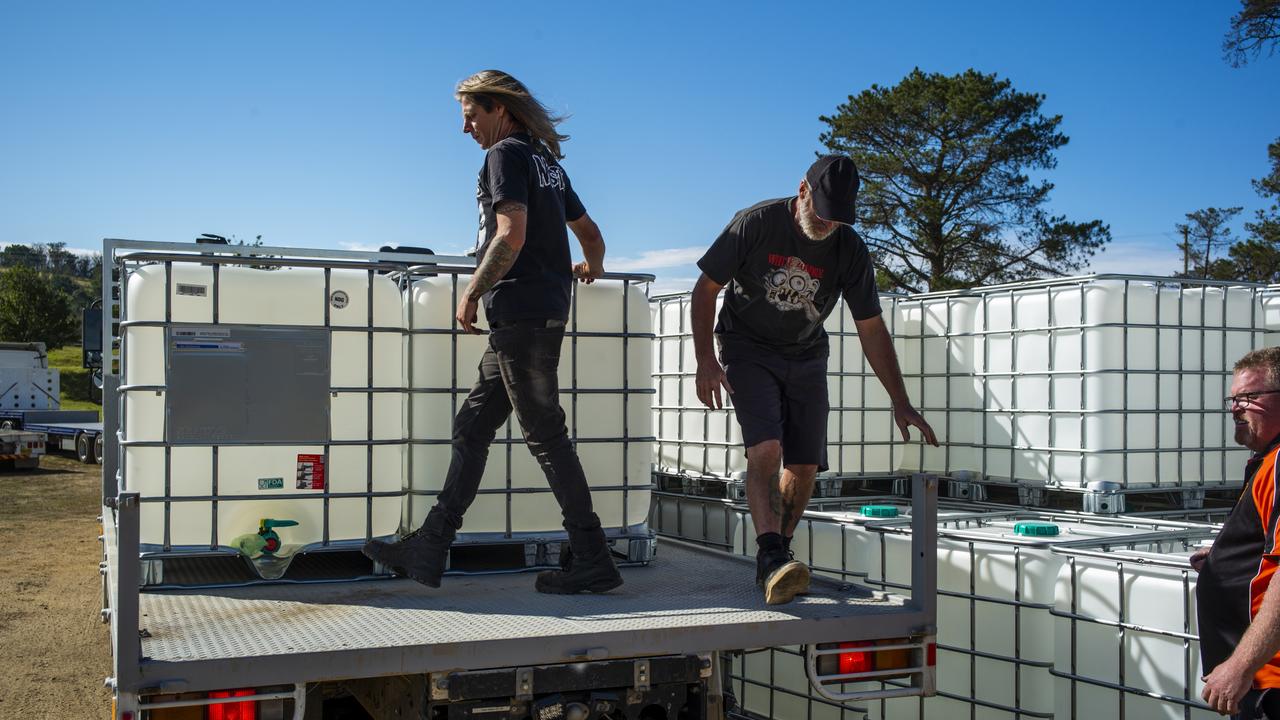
(126, 257)
(509, 438)
(1209, 327)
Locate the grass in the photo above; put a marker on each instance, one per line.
(68, 361)
(65, 357)
(68, 404)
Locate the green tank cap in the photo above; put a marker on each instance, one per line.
(880, 511)
(1035, 529)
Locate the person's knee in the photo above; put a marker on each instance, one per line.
(766, 454)
(803, 473)
(471, 435)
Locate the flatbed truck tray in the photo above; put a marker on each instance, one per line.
(689, 600)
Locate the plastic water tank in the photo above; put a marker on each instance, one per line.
(608, 410)
(997, 582)
(692, 439)
(248, 297)
(1127, 619)
(1114, 379)
(937, 351)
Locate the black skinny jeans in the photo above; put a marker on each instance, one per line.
(518, 371)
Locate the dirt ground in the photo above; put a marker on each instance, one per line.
(54, 649)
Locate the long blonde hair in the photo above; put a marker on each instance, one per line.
(495, 86)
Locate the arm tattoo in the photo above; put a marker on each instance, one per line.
(499, 258)
(510, 207)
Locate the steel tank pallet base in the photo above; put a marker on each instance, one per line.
(1101, 497)
(735, 487)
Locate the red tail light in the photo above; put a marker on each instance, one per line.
(234, 710)
(855, 662)
(931, 655)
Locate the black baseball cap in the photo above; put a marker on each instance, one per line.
(833, 182)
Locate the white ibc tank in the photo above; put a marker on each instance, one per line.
(1127, 619)
(691, 438)
(992, 576)
(695, 440)
(861, 436)
(1110, 379)
(286, 298)
(607, 404)
(937, 347)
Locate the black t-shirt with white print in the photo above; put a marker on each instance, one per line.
(782, 285)
(539, 283)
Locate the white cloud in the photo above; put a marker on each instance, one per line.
(655, 259)
(668, 285)
(1136, 259)
(358, 247)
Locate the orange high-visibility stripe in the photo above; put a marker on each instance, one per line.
(1264, 490)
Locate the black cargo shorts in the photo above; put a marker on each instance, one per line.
(779, 398)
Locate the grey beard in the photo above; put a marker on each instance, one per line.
(811, 231)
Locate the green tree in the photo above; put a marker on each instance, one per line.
(34, 309)
(1255, 261)
(1254, 29)
(946, 199)
(1204, 231)
(13, 255)
(1258, 258)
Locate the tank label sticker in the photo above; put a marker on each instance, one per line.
(310, 472)
(192, 290)
(340, 299)
(188, 333)
(276, 483)
(204, 339)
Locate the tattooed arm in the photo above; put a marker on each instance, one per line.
(498, 259)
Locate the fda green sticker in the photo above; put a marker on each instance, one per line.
(271, 483)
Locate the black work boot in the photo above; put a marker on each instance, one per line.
(422, 554)
(586, 567)
(781, 577)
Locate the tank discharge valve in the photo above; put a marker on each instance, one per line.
(264, 542)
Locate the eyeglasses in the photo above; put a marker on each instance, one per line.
(1245, 400)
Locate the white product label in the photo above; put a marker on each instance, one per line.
(192, 290)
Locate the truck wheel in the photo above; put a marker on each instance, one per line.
(8, 424)
(84, 448)
(97, 448)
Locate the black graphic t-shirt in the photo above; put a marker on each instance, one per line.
(782, 285)
(539, 283)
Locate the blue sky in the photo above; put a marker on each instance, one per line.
(333, 124)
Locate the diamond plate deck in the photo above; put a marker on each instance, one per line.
(689, 599)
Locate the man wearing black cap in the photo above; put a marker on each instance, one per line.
(786, 263)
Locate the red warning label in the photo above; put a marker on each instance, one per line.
(310, 472)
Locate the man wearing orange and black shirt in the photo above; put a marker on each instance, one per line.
(1237, 604)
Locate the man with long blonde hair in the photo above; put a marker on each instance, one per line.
(524, 276)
